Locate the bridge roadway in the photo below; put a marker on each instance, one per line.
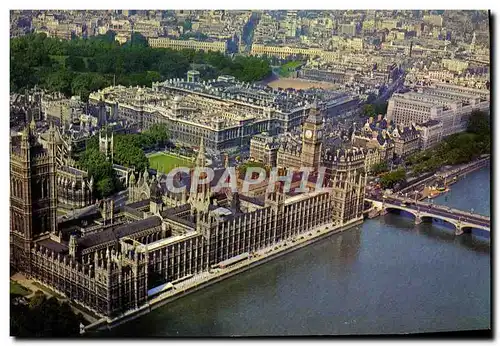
(459, 218)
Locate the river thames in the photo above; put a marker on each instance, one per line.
(386, 276)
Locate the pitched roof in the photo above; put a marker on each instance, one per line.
(115, 233)
(53, 245)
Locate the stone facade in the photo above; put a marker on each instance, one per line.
(108, 262)
(33, 195)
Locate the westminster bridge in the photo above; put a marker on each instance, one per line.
(463, 221)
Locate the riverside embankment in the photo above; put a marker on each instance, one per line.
(200, 281)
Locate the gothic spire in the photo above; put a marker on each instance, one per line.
(201, 159)
(25, 134)
(32, 124)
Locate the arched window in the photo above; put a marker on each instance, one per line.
(14, 188)
(46, 223)
(19, 189)
(19, 225)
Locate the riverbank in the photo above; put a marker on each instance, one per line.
(450, 177)
(206, 279)
(387, 276)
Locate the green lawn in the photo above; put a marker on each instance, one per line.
(18, 289)
(165, 162)
(286, 69)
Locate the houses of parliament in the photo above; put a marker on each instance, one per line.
(107, 260)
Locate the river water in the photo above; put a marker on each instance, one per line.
(387, 276)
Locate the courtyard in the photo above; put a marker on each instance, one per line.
(164, 162)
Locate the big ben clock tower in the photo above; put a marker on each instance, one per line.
(312, 133)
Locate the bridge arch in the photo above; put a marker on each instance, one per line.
(397, 210)
(475, 230)
(431, 219)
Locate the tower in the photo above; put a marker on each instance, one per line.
(312, 135)
(348, 180)
(201, 157)
(33, 197)
(106, 145)
(200, 197)
(102, 117)
(155, 198)
(276, 200)
(473, 42)
(73, 245)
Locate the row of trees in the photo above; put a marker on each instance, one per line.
(43, 317)
(80, 66)
(128, 151)
(456, 149)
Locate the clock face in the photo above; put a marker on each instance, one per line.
(309, 134)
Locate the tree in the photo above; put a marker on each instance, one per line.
(101, 169)
(242, 169)
(92, 66)
(132, 64)
(379, 168)
(381, 108)
(43, 318)
(85, 83)
(75, 63)
(159, 134)
(479, 123)
(368, 110)
(105, 186)
(138, 40)
(60, 81)
(129, 151)
(390, 179)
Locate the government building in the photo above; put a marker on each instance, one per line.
(447, 104)
(224, 112)
(112, 260)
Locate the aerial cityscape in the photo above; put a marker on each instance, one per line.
(249, 173)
